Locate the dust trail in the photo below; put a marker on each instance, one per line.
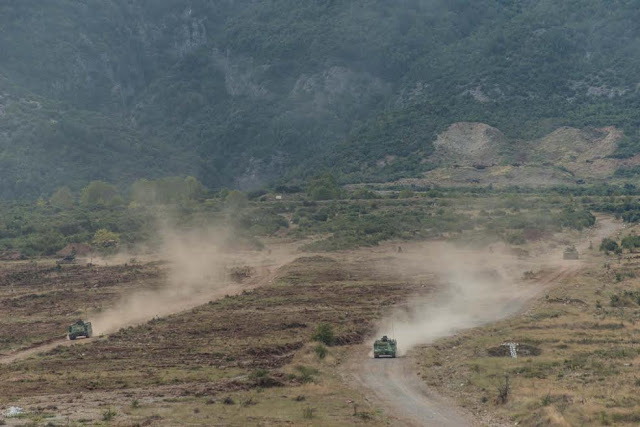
(478, 288)
(198, 264)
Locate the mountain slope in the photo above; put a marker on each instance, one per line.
(242, 93)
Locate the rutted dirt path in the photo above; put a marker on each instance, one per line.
(395, 383)
(263, 274)
(42, 348)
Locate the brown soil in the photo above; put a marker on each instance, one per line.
(208, 350)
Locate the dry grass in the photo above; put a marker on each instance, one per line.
(254, 347)
(586, 373)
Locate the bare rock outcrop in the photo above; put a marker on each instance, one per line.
(467, 143)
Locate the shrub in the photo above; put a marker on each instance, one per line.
(98, 193)
(109, 414)
(307, 413)
(324, 187)
(631, 242)
(320, 351)
(324, 334)
(62, 198)
(504, 388)
(608, 245)
(306, 373)
(406, 194)
(259, 373)
(516, 238)
(615, 301)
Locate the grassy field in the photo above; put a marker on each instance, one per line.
(578, 353)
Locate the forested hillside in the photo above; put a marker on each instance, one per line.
(244, 93)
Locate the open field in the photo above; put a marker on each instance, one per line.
(202, 333)
(578, 352)
(240, 346)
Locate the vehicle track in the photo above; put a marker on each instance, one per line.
(264, 275)
(396, 385)
(42, 348)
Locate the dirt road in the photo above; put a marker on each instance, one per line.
(41, 348)
(125, 314)
(404, 395)
(395, 384)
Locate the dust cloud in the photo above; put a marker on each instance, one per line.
(476, 288)
(197, 271)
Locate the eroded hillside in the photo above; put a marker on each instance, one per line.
(476, 153)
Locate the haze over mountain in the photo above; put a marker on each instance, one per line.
(243, 93)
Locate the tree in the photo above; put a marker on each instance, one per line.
(324, 187)
(173, 189)
(98, 193)
(46, 243)
(62, 198)
(608, 245)
(631, 242)
(143, 191)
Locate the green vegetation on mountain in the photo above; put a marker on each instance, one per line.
(243, 93)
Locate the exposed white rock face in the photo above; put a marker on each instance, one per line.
(470, 143)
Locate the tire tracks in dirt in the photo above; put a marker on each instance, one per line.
(396, 385)
(42, 348)
(265, 274)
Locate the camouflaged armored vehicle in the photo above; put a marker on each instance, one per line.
(68, 259)
(385, 347)
(571, 253)
(80, 329)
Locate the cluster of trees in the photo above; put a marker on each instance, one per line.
(609, 245)
(144, 192)
(324, 187)
(629, 243)
(627, 209)
(171, 190)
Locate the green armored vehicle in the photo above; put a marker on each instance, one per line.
(571, 253)
(385, 347)
(80, 329)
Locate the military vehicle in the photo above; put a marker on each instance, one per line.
(68, 259)
(80, 329)
(571, 253)
(385, 347)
